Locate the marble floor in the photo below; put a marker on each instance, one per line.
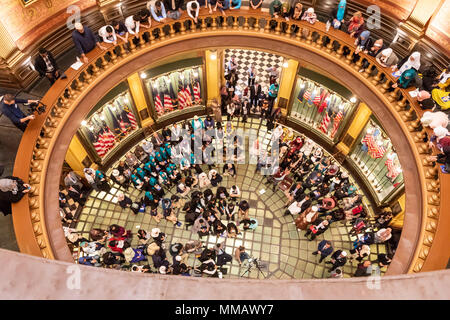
(283, 250)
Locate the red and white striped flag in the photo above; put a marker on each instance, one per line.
(336, 121)
(158, 105)
(307, 95)
(132, 119)
(197, 97)
(392, 172)
(109, 139)
(317, 99)
(99, 146)
(325, 123)
(181, 99)
(168, 102)
(375, 151)
(188, 95)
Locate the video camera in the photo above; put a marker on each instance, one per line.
(38, 107)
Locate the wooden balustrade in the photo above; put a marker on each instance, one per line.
(33, 170)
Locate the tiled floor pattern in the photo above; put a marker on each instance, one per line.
(285, 251)
(262, 61)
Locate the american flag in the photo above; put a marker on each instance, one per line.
(109, 139)
(336, 121)
(132, 119)
(317, 99)
(168, 102)
(188, 95)
(197, 97)
(99, 145)
(375, 151)
(181, 99)
(325, 100)
(307, 95)
(392, 173)
(158, 105)
(325, 123)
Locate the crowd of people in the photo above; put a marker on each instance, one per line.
(320, 195)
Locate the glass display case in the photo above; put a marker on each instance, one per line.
(109, 124)
(176, 90)
(319, 108)
(375, 156)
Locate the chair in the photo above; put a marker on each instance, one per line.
(286, 183)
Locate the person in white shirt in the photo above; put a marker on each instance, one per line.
(132, 23)
(192, 8)
(108, 34)
(158, 11)
(235, 193)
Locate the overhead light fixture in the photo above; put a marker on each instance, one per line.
(353, 99)
(213, 56)
(155, 85)
(195, 74)
(181, 76)
(126, 100)
(285, 64)
(341, 107)
(302, 85)
(102, 117)
(84, 123)
(143, 75)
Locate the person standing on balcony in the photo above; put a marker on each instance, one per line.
(120, 30)
(235, 4)
(46, 65)
(255, 4)
(158, 11)
(85, 41)
(12, 111)
(12, 190)
(132, 23)
(338, 14)
(193, 8)
(275, 8)
(174, 9)
(108, 34)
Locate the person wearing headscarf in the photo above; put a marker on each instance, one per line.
(338, 14)
(12, 190)
(286, 11)
(310, 16)
(387, 58)
(406, 79)
(424, 100)
(413, 61)
(355, 24)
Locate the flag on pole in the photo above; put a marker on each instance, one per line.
(307, 94)
(99, 145)
(336, 121)
(325, 97)
(325, 123)
(188, 95)
(197, 96)
(317, 98)
(168, 102)
(392, 172)
(132, 118)
(375, 150)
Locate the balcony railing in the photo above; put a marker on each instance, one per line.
(62, 99)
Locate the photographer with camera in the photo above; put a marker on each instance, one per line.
(13, 112)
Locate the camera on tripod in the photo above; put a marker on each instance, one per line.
(37, 107)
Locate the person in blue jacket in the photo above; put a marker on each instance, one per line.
(12, 111)
(324, 248)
